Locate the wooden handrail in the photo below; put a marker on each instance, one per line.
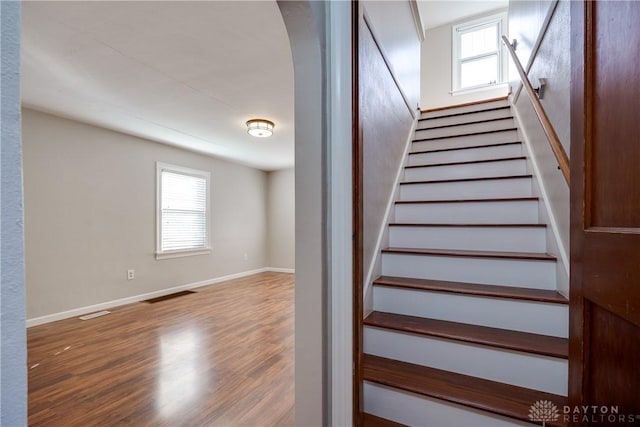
(552, 136)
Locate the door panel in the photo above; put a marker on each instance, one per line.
(605, 206)
(615, 127)
(612, 364)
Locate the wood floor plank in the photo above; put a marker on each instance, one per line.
(486, 395)
(221, 356)
(488, 178)
(497, 291)
(484, 132)
(499, 144)
(484, 335)
(473, 254)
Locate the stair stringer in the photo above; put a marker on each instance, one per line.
(383, 233)
(555, 244)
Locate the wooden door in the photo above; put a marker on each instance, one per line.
(605, 208)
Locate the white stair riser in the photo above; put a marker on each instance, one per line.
(467, 155)
(475, 117)
(466, 141)
(423, 132)
(489, 271)
(468, 212)
(417, 410)
(519, 315)
(465, 109)
(490, 188)
(511, 367)
(471, 170)
(518, 239)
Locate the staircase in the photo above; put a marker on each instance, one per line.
(467, 327)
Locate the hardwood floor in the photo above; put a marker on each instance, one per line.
(222, 356)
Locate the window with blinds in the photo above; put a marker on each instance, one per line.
(183, 211)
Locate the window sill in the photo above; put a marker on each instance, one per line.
(180, 254)
(479, 89)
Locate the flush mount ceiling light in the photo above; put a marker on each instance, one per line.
(260, 127)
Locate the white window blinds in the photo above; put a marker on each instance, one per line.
(183, 209)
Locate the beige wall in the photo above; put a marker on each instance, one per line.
(435, 59)
(90, 216)
(281, 218)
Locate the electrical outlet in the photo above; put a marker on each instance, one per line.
(131, 274)
(246, 257)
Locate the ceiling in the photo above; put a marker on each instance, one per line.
(189, 74)
(439, 12)
(184, 73)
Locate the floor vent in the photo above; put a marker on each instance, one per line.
(167, 297)
(94, 315)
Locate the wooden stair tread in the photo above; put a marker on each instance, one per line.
(464, 113)
(466, 123)
(500, 144)
(498, 398)
(369, 420)
(509, 292)
(469, 162)
(422, 224)
(494, 337)
(490, 178)
(483, 132)
(539, 256)
(501, 199)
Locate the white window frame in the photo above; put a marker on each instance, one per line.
(161, 167)
(499, 19)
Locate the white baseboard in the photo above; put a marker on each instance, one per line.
(280, 270)
(115, 303)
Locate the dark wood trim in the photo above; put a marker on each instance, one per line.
(358, 242)
(533, 256)
(464, 113)
(547, 126)
(466, 123)
(484, 132)
(581, 73)
(498, 398)
(483, 335)
(470, 162)
(466, 104)
(496, 291)
(405, 224)
(373, 421)
(500, 144)
(489, 178)
(506, 199)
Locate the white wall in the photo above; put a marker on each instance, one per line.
(13, 348)
(394, 27)
(90, 216)
(306, 23)
(281, 219)
(436, 69)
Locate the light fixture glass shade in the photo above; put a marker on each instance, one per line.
(260, 128)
